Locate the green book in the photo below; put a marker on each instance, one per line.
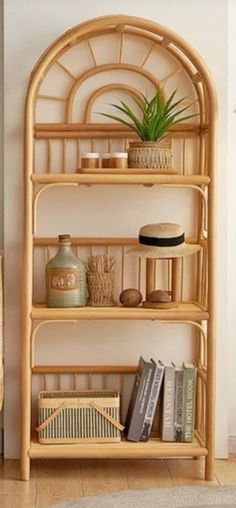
(189, 399)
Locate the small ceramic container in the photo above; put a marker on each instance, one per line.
(105, 160)
(119, 160)
(90, 160)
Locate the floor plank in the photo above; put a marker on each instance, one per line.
(9, 479)
(225, 471)
(147, 474)
(17, 501)
(102, 476)
(57, 481)
(188, 472)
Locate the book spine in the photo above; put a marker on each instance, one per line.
(189, 396)
(152, 403)
(139, 410)
(168, 406)
(178, 412)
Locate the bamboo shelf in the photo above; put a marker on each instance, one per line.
(154, 448)
(56, 134)
(121, 178)
(185, 311)
(75, 130)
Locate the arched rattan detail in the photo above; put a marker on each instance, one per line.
(190, 63)
(67, 71)
(104, 68)
(199, 190)
(177, 50)
(176, 46)
(35, 332)
(108, 88)
(38, 193)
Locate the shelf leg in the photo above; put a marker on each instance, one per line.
(210, 407)
(209, 467)
(25, 399)
(210, 396)
(25, 468)
(150, 274)
(176, 279)
(211, 353)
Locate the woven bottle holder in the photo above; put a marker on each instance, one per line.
(151, 155)
(101, 289)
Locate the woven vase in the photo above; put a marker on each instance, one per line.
(101, 289)
(151, 155)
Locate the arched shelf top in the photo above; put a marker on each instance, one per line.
(121, 24)
(165, 60)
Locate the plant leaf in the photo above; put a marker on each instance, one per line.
(118, 119)
(158, 115)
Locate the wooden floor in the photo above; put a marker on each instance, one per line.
(55, 481)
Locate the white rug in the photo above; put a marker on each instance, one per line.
(174, 497)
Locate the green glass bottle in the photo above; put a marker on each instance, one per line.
(65, 277)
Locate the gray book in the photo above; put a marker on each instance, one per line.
(189, 397)
(153, 399)
(178, 407)
(139, 399)
(168, 404)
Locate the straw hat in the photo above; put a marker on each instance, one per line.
(163, 240)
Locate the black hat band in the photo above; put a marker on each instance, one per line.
(161, 242)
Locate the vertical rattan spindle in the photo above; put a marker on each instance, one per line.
(150, 276)
(176, 279)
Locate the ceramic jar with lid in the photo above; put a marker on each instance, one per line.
(119, 160)
(90, 160)
(105, 160)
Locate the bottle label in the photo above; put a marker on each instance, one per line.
(65, 279)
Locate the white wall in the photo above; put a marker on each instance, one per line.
(30, 27)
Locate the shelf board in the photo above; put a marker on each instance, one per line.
(125, 449)
(191, 311)
(119, 178)
(108, 130)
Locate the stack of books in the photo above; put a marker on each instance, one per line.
(178, 388)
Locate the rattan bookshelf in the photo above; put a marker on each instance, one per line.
(197, 312)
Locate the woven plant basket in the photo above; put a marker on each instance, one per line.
(101, 289)
(151, 155)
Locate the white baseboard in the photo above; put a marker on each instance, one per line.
(232, 444)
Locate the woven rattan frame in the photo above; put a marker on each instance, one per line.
(191, 64)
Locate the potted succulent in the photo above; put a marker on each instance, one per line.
(157, 116)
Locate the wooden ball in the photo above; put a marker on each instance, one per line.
(131, 297)
(159, 296)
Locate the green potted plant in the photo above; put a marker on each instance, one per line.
(157, 116)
